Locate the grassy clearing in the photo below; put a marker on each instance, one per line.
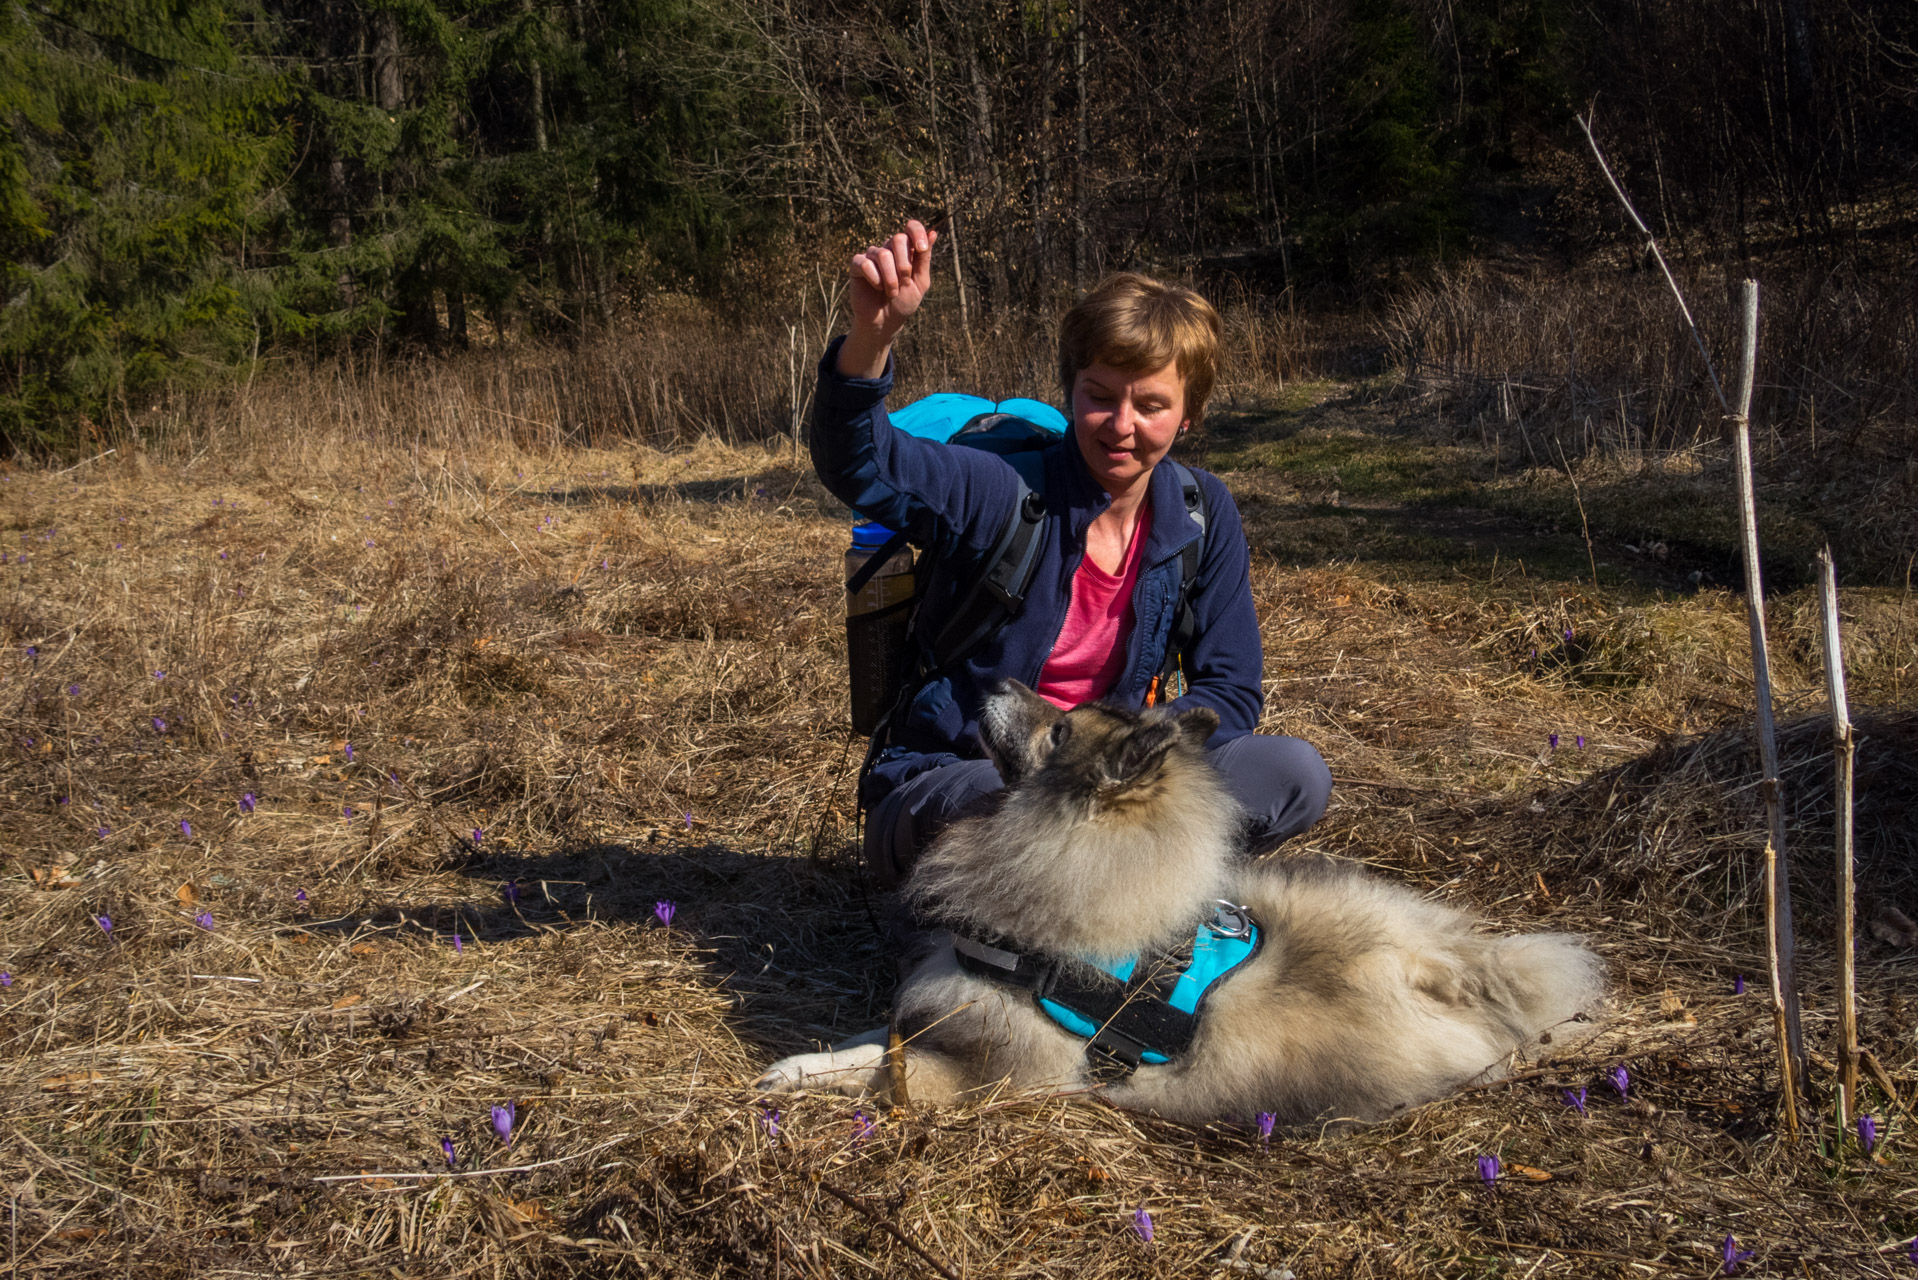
(576, 684)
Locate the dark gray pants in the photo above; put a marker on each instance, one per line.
(1282, 783)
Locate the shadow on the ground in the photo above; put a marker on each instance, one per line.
(794, 940)
(1342, 479)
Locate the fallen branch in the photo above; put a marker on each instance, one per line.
(887, 1225)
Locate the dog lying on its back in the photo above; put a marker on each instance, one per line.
(1116, 841)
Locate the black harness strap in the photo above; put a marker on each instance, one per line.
(1132, 1018)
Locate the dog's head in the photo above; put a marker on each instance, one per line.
(1105, 749)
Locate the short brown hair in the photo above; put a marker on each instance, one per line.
(1137, 324)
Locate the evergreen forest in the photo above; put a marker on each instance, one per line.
(190, 189)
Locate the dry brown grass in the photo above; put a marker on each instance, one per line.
(1550, 366)
(621, 668)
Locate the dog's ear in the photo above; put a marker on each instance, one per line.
(1019, 729)
(1198, 724)
(1141, 751)
(1145, 746)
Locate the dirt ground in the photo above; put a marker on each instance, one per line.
(346, 785)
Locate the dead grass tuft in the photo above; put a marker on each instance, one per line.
(353, 693)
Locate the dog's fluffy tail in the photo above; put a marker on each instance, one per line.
(1550, 979)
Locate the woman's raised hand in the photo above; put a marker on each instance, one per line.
(887, 283)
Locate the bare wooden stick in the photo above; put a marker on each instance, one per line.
(1843, 754)
(1788, 1075)
(1778, 921)
(1651, 243)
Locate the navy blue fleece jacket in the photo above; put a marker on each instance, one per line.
(957, 499)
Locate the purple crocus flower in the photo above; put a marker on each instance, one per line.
(1553, 739)
(1488, 1169)
(770, 1118)
(446, 1145)
(347, 812)
(510, 891)
(1738, 985)
(6, 979)
(1621, 1079)
(204, 920)
(247, 802)
(479, 833)
(1867, 1133)
(349, 753)
(159, 675)
(1575, 1099)
(1911, 1251)
(459, 948)
(1265, 1122)
(1142, 1223)
(503, 1121)
(104, 832)
(861, 1127)
(33, 654)
(159, 725)
(1581, 742)
(1568, 635)
(300, 897)
(664, 910)
(688, 816)
(105, 923)
(186, 828)
(1734, 1255)
(73, 691)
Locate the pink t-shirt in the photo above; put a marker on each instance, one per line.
(1090, 653)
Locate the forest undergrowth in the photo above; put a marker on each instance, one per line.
(411, 852)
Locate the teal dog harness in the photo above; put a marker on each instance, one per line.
(1134, 1012)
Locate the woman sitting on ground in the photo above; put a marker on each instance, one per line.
(1137, 360)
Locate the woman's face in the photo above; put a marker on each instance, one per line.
(1125, 422)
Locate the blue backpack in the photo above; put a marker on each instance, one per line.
(1019, 431)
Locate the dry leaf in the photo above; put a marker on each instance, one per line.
(186, 894)
(72, 1080)
(362, 948)
(347, 1002)
(529, 1211)
(1527, 1171)
(80, 1233)
(322, 760)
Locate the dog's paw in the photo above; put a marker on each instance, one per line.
(848, 1071)
(788, 1075)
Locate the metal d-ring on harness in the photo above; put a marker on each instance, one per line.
(1142, 1012)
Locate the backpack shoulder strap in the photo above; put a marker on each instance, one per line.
(999, 591)
(1185, 624)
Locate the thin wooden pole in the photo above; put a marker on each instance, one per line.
(1781, 1016)
(1843, 753)
(1777, 874)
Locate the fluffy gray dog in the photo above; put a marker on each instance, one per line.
(1103, 874)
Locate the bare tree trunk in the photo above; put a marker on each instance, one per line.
(389, 86)
(1081, 263)
(945, 182)
(339, 223)
(988, 175)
